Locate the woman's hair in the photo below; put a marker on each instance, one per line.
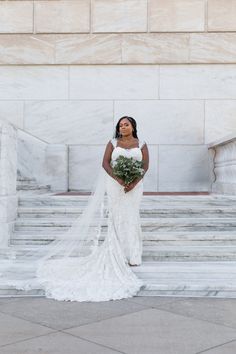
(133, 123)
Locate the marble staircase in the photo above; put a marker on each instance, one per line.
(26, 184)
(189, 242)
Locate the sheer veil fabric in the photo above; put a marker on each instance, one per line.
(89, 262)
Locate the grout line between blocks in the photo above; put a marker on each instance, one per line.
(215, 346)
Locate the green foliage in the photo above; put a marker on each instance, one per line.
(127, 168)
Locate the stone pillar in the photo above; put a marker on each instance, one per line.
(8, 173)
(224, 166)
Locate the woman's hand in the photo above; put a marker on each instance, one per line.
(129, 187)
(120, 181)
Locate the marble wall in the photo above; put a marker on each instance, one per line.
(83, 16)
(169, 64)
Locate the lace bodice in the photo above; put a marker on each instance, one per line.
(136, 152)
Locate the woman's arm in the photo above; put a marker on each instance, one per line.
(145, 154)
(106, 163)
(145, 158)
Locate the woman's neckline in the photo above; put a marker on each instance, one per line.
(136, 147)
(127, 148)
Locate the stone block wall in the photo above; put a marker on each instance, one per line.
(70, 68)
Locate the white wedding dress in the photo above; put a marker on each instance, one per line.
(104, 274)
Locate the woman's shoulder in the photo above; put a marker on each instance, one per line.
(142, 143)
(113, 142)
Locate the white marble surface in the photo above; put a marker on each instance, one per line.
(189, 240)
(5, 232)
(33, 82)
(46, 163)
(183, 168)
(119, 16)
(150, 181)
(84, 164)
(225, 167)
(8, 159)
(166, 121)
(198, 81)
(221, 15)
(212, 47)
(114, 82)
(56, 167)
(70, 122)
(12, 112)
(8, 171)
(176, 15)
(220, 119)
(88, 49)
(153, 48)
(62, 16)
(8, 208)
(26, 49)
(16, 16)
(222, 141)
(117, 48)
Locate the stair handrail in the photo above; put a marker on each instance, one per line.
(223, 154)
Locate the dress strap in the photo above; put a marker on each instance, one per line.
(114, 142)
(141, 143)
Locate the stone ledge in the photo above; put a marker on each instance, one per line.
(225, 140)
(149, 48)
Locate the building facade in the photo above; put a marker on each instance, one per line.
(69, 69)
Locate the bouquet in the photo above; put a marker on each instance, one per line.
(127, 168)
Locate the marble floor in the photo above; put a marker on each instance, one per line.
(138, 325)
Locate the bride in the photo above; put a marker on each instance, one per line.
(93, 260)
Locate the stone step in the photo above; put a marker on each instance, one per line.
(159, 238)
(30, 187)
(154, 201)
(195, 279)
(30, 184)
(65, 212)
(188, 279)
(183, 290)
(11, 291)
(191, 253)
(152, 253)
(25, 179)
(148, 224)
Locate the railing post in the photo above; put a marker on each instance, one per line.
(224, 165)
(8, 174)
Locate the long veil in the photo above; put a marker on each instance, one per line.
(21, 268)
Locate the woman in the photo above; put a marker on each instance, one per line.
(124, 200)
(89, 262)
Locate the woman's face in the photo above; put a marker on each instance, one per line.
(125, 127)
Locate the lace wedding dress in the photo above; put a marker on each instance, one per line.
(104, 274)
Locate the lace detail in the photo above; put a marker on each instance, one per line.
(104, 274)
(140, 145)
